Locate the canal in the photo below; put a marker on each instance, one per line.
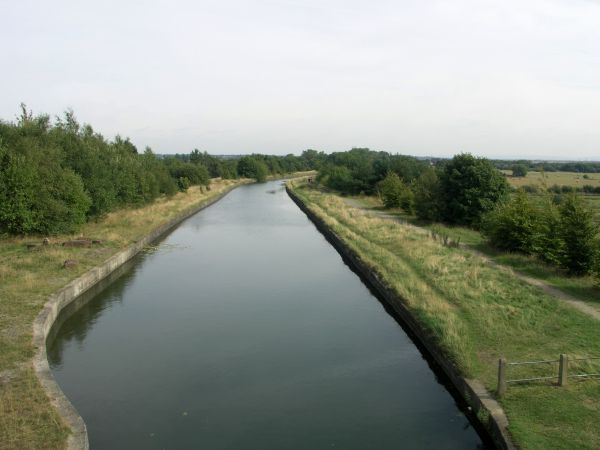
(244, 329)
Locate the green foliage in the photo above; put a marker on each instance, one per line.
(470, 187)
(339, 178)
(360, 169)
(196, 174)
(564, 235)
(550, 244)
(53, 177)
(390, 190)
(395, 194)
(38, 194)
(183, 183)
(515, 225)
(56, 176)
(579, 234)
(427, 195)
(252, 167)
(211, 163)
(17, 193)
(61, 203)
(519, 170)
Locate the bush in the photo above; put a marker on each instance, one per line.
(470, 187)
(38, 194)
(579, 233)
(531, 188)
(17, 193)
(183, 184)
(61, 203)
(427, 195)
(550, 243)
(252, 167)
(390, 190)
(519, 170)
(514, 225)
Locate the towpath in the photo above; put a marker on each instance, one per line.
(550, 290)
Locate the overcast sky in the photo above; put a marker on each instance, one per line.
(500, 78)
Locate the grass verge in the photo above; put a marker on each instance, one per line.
(29, 275)
(476, 314)
(582, 288)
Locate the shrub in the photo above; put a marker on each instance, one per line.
(470, 187)
(519, 170)
(183, 183)
(514, 225)
(579, 233)
(427, 195)
(390, 190)
(252, 167)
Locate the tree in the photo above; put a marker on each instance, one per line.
(395, 193)
(252, 167)
(427, 195)
(514, 225)
(519, 170)
(17, 193)
(579, 233)
(390, 190)
(470, 187)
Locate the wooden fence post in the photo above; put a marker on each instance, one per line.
(501, 377)
(563, 369)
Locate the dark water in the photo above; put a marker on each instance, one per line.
(245, 330)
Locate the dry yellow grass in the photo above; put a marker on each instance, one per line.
(29, 276)
(550, 178)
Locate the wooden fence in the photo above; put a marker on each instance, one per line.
(562, 375)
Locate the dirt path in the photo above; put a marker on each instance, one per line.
(552, 291)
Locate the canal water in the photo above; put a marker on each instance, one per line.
(244, 329)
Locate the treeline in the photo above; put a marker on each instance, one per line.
(457, 191)
(537, 166)
(466, 190)
(56, 175)
(255, 166)
(564, 189)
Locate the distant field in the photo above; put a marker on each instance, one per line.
(551, 178)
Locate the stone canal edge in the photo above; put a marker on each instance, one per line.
(472, 391)
(78, 439)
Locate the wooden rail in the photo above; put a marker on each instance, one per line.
(562, 376)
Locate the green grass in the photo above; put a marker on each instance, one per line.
(582, 288)
(29, 277)
(477, 313)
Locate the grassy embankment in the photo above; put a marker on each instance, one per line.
(583, 288)
(29, 276)
(477, 313)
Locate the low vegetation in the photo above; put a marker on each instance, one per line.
(477, 313)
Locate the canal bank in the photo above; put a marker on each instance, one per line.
(487, 409)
